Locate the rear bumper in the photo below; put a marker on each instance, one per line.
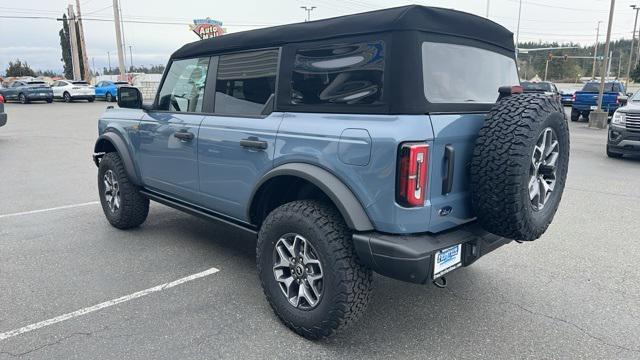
(39, 96)
(410, 257)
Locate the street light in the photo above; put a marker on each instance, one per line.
(308, 10)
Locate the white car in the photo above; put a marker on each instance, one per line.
(69, 90)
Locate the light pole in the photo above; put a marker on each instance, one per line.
(131, 57)
(488, 3)
(518, 29)
(308, 10)
(598, 118)
(109, 60)
(633, 39)
(595, 52)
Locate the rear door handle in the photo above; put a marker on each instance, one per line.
(449, 158)
(184, 135)
(253, 143)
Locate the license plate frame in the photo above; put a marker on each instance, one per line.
(446, 260)
(593, 107)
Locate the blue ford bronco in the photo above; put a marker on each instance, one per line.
(397, 141)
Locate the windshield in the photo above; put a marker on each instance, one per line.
(636, 96)
(462, 74)
(536, 86)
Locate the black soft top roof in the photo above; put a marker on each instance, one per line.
(412, 17)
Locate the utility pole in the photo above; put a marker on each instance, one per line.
(75, 58)
(595, 52)
(308, 10)
(598, 118)
(488, 5)
(116, 20)
(131, 57)
(609, 65)
(620, 64)
(109, 60)
(83, 46)
(633, 39)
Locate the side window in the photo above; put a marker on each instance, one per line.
(617, 87)
(338, 74)
(99, 84)
(183, 87)
(246, 82)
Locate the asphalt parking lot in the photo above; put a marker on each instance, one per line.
(575, 293)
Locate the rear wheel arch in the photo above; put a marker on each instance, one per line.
(112, 142)
(298, 181)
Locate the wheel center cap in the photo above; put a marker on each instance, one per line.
(299, 269)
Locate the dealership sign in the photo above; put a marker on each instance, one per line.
(207, 28)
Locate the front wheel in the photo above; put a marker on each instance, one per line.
(67, 97)
(109, 97)
(309, 271)
(122, 203)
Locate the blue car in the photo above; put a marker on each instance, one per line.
(108, 90)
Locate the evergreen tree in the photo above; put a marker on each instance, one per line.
(19, 68)
(65, 44)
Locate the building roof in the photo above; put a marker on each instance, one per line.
(413, 17)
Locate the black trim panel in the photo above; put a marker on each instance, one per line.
(123, 151)
(197, 211)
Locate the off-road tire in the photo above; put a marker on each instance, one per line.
(613, 155)
(346, 283)
(501, 165)
(134, 206)
(575, 115)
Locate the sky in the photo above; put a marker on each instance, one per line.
(37, 42)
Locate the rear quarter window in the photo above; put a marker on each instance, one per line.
(464, 74)
(341, 73)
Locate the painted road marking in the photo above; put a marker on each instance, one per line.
(50, 209)
(105, 304)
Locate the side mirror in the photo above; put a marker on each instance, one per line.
(129, 97)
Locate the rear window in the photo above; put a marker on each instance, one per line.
(595, 87)
(347, 73)
(121, 83)
(536, 86)
(79, 83)
(36, 82)
(464, 74)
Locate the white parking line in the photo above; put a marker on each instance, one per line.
(50, 209)
(71, 315)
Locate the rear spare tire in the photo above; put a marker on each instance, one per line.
(519, 166)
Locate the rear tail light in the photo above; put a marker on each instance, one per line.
(413, 160)
(573, 97)
(617, 99)
(1, 99)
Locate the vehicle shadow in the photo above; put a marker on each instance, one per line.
(400, 315)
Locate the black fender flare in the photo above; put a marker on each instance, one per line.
(349, 206)
(122, 149)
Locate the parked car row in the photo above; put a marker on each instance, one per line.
(67, 90)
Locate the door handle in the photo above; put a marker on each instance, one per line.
(449, 158)
(183, 135)
(253, 143)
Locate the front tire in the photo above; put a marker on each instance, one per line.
(307, 245)
(612, 154)
(122, 203)
(67, 97)
(109, 97)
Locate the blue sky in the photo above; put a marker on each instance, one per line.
(37, 41)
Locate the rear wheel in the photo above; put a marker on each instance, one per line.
(309, 271)
(67, 97)
(575, 115)
(91, 99)
(122, 203)
(23, 99)
(109, 97)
